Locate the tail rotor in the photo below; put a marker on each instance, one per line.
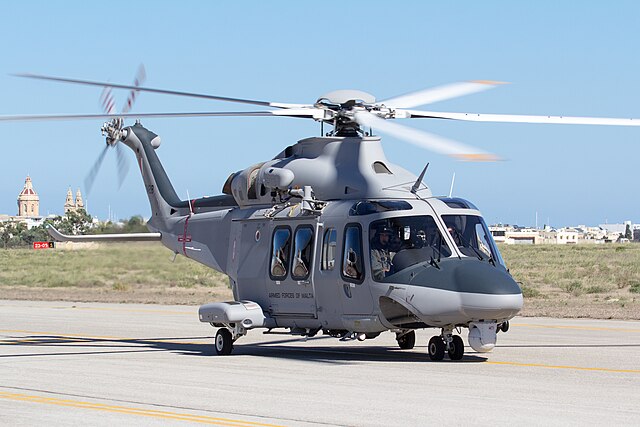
(112, 131)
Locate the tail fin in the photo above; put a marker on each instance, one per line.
(163, 198)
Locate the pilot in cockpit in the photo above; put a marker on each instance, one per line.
(381, 254)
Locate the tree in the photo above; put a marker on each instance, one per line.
(628, 234)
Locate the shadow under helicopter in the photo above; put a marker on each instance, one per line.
(282, 349)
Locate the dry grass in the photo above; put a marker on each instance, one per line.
(578, 280)
(131, 272)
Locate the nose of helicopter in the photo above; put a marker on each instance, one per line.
(487, 291)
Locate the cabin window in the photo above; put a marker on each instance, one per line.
(329, 249)
(302, 246)
(280, 253)
(352, 265)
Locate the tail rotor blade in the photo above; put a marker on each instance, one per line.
(141, 76)
(93, 172)
(106, 100)
(123, 165)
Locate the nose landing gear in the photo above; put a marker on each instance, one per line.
(448, 342)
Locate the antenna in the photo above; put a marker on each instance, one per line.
(415, 187)
(453, 179)
(189, 199)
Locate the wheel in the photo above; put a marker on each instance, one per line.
(456, 348)
(224, 342)
(406, 341)
(436, 348)
(504, 326)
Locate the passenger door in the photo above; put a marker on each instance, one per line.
(290, 269)
(356, 293)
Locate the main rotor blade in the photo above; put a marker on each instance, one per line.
(162, 91)
(426, 140)
(294, 112)
(93, 172)
(513, 118)
(439, 93)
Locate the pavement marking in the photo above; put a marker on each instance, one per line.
(578, 368)
(580, 328)
(203, 419)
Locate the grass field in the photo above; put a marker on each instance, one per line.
(119, 272)
(600, 281)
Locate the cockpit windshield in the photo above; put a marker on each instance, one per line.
(472, 237)
(399, 243)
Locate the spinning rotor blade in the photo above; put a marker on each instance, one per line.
(123, 164)
(294, 112)
(425, 140)
(512, 118)
(93, 172)
(141, 76)
(163, 91)
(439, 93)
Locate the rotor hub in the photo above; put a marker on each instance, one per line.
(112, 130)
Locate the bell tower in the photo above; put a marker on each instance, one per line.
(79, 202)
(69, 205)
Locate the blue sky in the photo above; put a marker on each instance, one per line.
(562, 58)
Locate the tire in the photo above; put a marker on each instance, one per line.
(504, 327)
(436, 348)
(224, 342)
(407, 341)
(456, 348)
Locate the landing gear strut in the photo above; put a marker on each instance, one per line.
(448, 342)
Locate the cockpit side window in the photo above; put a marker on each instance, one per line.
(302, 245)
(329, 244)
(280, 248)
(352, 265)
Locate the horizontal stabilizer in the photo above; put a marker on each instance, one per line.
(124, 237)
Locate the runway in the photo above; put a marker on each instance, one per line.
(102, 364)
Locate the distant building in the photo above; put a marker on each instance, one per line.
(71, 205)
(515, 235)
(28, 201)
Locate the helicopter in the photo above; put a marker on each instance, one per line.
(328, 236)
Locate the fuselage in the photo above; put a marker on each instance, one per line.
(321, 270)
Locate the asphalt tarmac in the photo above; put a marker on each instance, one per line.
(103, 364)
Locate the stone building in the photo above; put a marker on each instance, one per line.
(28, 201)
(70, 204)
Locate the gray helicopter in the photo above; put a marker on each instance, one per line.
(329, 236)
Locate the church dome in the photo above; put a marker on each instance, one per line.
(28, 200)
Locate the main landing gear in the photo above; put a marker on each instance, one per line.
(406, 339)
(226, 336)
(448, 342)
